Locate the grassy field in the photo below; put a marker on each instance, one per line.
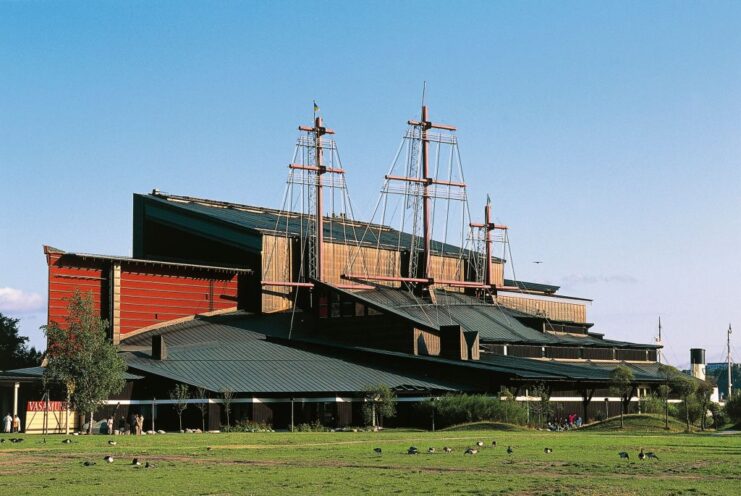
(584, 462)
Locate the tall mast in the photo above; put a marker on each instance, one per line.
(730, 385)
(319, 168)
(424, 126)
(488, 226)
(659, 342)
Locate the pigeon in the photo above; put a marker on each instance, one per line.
(108, 459)
(67, 441)
(470, 451)
(624, 455)
(377, 450)
(412, 450)
(88, 463)
(651, 454)
(112, 443)
(136, 462)
(510, 450)
(548, 451)
(148, 465)
(430, 450)
(447, 449)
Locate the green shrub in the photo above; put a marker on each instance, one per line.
(719, 416)
(690, 407)
(248, 426)
(652, 404)
(315, 426)
(733, 409)
(463, 408)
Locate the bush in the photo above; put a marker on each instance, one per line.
(315, 426)
(248, 426)
(692, 407)
(733, 409)
(464, 408)
(652, 404)
(719, 416)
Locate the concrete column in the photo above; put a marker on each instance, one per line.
(16, 387)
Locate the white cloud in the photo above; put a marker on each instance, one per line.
(19, 301)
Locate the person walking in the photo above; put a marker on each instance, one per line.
(109, 426)
(7, 423)
(139, 424)
(132, 424)
(16, 424)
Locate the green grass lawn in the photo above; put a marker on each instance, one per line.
(584, 462)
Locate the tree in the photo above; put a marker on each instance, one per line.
(14, 354)
(180, 394)
(684, 386)
(733, 409)
(621, 384)
(667, 372)
(704, 391)
(541, 407)
(82, 359)
(228, 396)
(380, 403)
(202, 394)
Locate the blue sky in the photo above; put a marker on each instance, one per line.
(607, 133)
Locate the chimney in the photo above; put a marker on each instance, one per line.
(159, 348)
(697, 363)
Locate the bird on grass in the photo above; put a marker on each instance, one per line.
(209, 448)
(493, 444)
(67, 441)
(430, 450)
(16, 439)
(148, 465)
(480, 444)
(470, 451)
(136, 462)
(378, 451)
(447, 449)
(651, 454)
(108, 459)
(412, 451)
(547, 451)
(510, 450)
(112, 443)
(624, 455)
(88, 463)
(2, 440)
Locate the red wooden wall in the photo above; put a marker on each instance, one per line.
(149, 294)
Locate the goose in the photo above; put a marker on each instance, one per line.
(548, 451)
(67, 441)
(430, 450)
(641, 455)
(377, 450)
(412, 450)
(108, 459)
(112, 443)
(470, 451)
(16, 440)
(88, 463)
(136, 462)
(447, 449)
(2, 440)
(480, 444)
(624, 455)
(510, 450)
(493, 444)
(651, 454)
(148, 465)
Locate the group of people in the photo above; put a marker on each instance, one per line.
(11, 424)
(572, 421)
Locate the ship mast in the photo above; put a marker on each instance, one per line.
(730, 385)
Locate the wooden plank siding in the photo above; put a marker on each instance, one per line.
(426, 343)
(277, 265)
(346, 258)
(555, 310)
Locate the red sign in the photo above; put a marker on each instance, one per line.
(41, 406)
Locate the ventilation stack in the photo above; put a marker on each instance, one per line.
(697, 363)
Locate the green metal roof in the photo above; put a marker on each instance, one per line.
(532, 286)
(38, 372)
(260, 219)
(231, 353)
(494, 323)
